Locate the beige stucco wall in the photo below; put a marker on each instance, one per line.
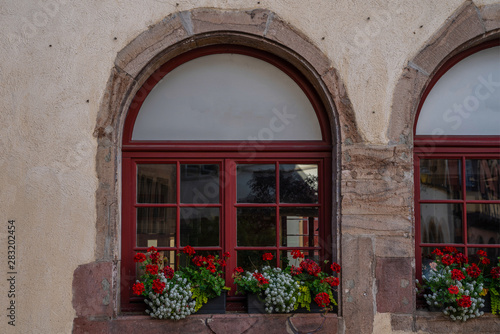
(56, 57)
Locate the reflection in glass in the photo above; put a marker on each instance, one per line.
(440, 179)
(200, 227)
(491, 253)
(200, 184)
(256, 226)
(287, 259)
(483, 223)
(482, 179)
(156, 227)
(252, 259)
(428, 259)
(441, 223)
(156, 183)
(256, 183)
(298, 183)
(299, 227)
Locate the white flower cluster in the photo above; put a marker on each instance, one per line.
(175, 302)
(280, 295)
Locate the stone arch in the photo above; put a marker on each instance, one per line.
(468, 26)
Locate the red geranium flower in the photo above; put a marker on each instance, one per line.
(260, 278)
(238, 270)
(297, 254)
(311, 267)
(152, 249)
(221, 262)
(226, 255)
(482, 253)
(335, 267)
(189, 250)
(437, 252)
(448, 259)
(138, 288)
(453, 289)
(211, 267)
(199, 260)
(460, 258)
(267, 257)
(158, 286)
(152, 269)
(333, 281)
(464, 301)
(322, 299)
(457, 275)
(139, 257)
(449, 249)
(485, 261)
(155, 257)
(495, 272)
(473, 271)
(295, 270)
(168, 272)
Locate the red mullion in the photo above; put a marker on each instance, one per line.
(445, 201)
(418, 233)
(229, 227)
(178, 211)
(464, 209)
(278, 230)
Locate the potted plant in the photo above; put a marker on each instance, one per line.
(494, 288)
(455, 286)
(287, 290)
(175, 295)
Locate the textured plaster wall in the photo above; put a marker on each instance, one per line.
(56, 57)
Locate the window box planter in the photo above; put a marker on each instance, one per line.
(215, 305)
(256, 306)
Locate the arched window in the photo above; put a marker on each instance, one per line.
(457, 156)
(226, 149)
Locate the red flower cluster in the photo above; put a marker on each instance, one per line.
(482, 253)
(449, 249)
(464, 301)
(267, 257)
(138, 288)
(139, 257)
(485, 260)
(448, 259)
(238, 270)
(333, 281)
(495, 272)
(168, 272)
(189, 250)
(154, 255)
(437, 252)
(152, 269)
(260, 278)
(199, 260)
(460, 258)
(226, 255)
(453, 289)
(294, 271)
(457, 275)
(473, 271)
(335, 267)
(158, 286)
(322, 299)
(311, 267)
(297, 254)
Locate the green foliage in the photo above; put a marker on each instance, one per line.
(495, 301)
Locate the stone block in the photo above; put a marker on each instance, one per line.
(394, 246)
(395, 288)
(314, 323)
(437, 323)
(250, 21)
(463, 25)
(491, 16)
(194, 324)
(93, 290)
(85, 326)
(377, 225)
(402, 322)
(231, 323)
(357, 284)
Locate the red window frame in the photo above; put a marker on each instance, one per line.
(450, 147)
(227, 154)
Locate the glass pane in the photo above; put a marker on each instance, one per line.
(167, 258)
(298, 183)
(483, 223)
(200, 184)
(182, 257)
(440, 179)
(299, 227)
(256, 226)
(428, 259)
(482, 179)
(200, 227)
(156, 227)
(226, 97)
(256, 183)
(252, 259)
(465, 100)
(287, 259)
(156, 183)
(441, 223)
(492, 255)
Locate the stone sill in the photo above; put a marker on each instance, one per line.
(437, 322)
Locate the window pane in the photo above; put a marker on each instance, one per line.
(200, 227)
(299, 227)
(252, 259)
(464, 100)
(482, 179)
(256, 183)
(200, 184)
(287, 259)
(156, 227)
(298, 183)
(483, 223)
(441, 223)
(256, 226)
(440, 179)
(182, 258)
(156, 183)
(226, 97)
(491, 253)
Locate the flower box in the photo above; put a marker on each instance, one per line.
(215, 305)
(256, 306)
